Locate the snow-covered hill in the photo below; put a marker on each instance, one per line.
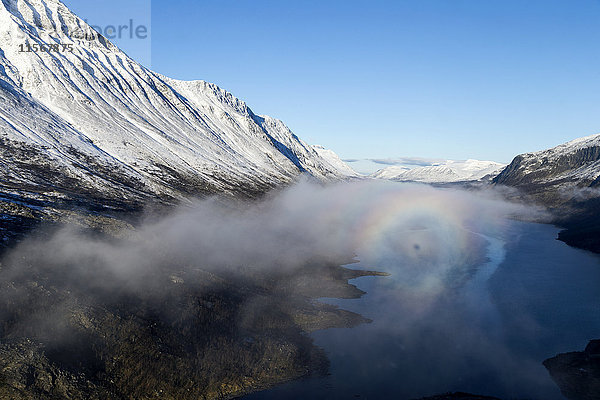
(449, 171)
(575, 162)
(108, 123)
(566, 179)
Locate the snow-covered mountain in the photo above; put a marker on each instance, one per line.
(334, 160)
(448, 171)
(566, 179)
(575, 162)
(95, 119)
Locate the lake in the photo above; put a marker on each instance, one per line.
(444, 327)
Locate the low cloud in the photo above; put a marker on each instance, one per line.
(295, 226)
(429, 239)
(578, 193)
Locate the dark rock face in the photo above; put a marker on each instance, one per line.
(578, 373)
(583, 228)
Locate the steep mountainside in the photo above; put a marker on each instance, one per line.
(566, 179)
(83, 103)
(450, 171)
(576, 162)
(89, 137)
(83, 128)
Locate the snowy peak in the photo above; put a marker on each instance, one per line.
(445, 172)
(335, 161)
(46, 22)
(50, 19)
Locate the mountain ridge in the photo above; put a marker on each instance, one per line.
(565, 179)
(91, 135)
(449, 171)
(158, 130)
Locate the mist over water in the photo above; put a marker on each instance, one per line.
(426, 227)
(475, 302)
(469, 305)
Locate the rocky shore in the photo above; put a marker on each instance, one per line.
(577, 373)
(190, 334)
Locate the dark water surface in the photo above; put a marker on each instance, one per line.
(534, 298)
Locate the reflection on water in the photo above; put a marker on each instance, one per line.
(436, 330)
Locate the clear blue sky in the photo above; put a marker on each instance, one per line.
(456, 79)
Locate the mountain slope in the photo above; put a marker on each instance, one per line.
(450, 171)
(565, 179)
(335, 161)
(574, 161)
(164, 137)
(32, 138)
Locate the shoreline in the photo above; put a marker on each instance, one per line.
(252, 332)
